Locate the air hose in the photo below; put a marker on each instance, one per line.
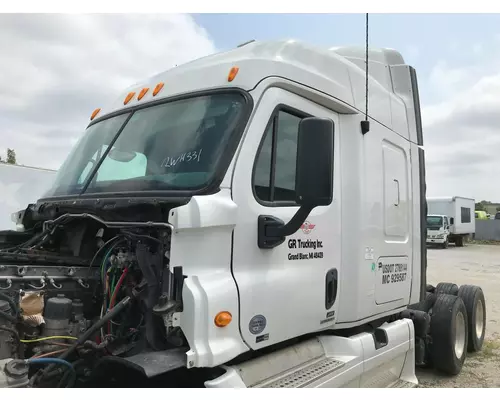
(82, 339)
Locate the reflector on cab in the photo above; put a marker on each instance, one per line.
(142, 93)
(158, 88)
(94, 114)
(232, 74)
(129, 97)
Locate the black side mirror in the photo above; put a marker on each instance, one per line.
(314, 168)
(313, 180)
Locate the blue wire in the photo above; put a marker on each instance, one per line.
(49, 361)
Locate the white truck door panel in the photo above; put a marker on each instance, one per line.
(396, 206)
(393, 273)
(301, 275)
(387, 172)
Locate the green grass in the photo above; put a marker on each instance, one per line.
(490, 350)
(488, 242)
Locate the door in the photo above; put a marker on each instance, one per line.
(291, 289)
(393, 272)
(446, 226)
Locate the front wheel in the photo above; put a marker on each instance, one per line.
(445, 244)
(449, 333)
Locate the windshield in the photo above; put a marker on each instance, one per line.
(434, 221)
(172, 146)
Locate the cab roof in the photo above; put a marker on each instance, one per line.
(338, 72)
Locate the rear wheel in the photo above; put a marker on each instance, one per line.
(473, 298)
(446, 288)
(449, 334)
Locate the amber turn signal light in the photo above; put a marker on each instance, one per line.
(223, 319)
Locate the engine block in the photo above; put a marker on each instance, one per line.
(16, 278)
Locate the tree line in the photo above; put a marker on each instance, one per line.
(482, 205)
(11, 157)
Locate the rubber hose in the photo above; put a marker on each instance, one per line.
(110, 315)
(13, 306)
(52, 361)
(49, 361)
(72, 376)
(14, 333)
(8, 317)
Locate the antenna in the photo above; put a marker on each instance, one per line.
(365, 125)
(248, 42)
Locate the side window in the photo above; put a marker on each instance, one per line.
(274, 175)
(465, 215)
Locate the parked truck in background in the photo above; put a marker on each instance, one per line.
(450, 220)
(19, 186)
(239, 221)
(481, 215)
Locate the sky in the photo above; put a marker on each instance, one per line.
(56, 69)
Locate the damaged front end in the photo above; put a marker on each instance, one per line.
(85, 290)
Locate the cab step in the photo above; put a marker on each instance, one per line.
(303, 375)
(385, 358)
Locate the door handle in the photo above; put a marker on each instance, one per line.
(397, 190)
(331, 285)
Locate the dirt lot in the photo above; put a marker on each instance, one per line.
(478, 265)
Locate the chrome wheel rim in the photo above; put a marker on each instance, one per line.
(479, 319)
(459, 335)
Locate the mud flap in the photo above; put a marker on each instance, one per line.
(150, 363)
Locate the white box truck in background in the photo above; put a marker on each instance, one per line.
(20, 186)
(450, 220)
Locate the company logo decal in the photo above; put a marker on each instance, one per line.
(307, 227)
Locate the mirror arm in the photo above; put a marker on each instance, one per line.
(272, 231)
(292, 226)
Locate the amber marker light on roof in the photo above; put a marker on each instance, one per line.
(232, 74)
(94, 114)
(223, 319)
(142, 93)
(129, 97)
(158, 88)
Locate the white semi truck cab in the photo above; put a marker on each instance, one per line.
(240, 221)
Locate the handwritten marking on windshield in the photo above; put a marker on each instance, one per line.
(191, 156)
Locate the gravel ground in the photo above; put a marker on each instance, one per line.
(477, 265)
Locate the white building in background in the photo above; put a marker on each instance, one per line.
(19, 186)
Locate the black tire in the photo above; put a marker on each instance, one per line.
(459, 241)
(473, 298)
(430, 288)
(445, 244)
(447, 288)
(447, 310)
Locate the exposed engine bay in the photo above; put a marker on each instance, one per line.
(82, 298)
